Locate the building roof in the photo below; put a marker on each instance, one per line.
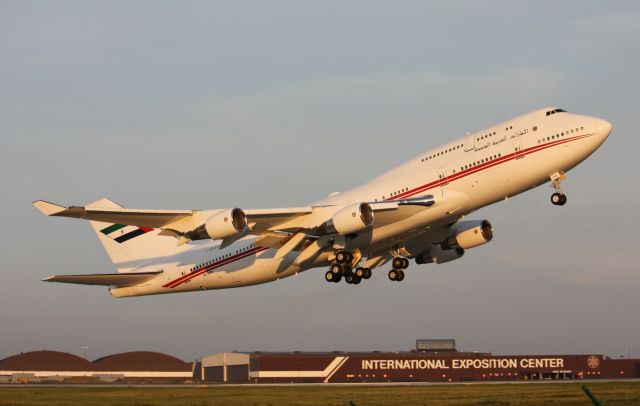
(140, 361)
(62, 361)
(45, 361)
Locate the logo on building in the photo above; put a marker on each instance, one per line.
(593, 361)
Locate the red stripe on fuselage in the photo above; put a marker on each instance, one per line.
(217, 264)
(485, 165)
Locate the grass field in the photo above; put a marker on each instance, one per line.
(609, 393)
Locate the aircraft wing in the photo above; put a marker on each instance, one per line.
(260, 221)
(133, 217)
(106, 279)
(179, 220)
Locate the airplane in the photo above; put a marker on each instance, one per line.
(415, 211)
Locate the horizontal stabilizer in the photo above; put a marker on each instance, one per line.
(105, 279)
(47, 208)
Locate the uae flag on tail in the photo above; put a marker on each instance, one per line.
(122, 232)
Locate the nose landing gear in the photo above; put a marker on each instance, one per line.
(558, 198)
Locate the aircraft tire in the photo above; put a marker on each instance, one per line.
(368, 273)
(563, 200)
(556, 199)
(400, 276)
(397, 263)
(328, 276)
(393, 275)
(405, 263)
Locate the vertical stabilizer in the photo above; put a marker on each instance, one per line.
(131, 247)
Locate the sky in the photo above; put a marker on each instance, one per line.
(196, 105)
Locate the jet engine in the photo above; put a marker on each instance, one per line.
(435, 254)
(225, 223)
(469, 234)
(351, 219)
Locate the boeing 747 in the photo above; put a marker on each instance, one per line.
(417, 211)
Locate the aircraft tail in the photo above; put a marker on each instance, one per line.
(131, 247)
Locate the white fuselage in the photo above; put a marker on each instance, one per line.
(464, 175)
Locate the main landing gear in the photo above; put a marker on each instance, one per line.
(558, 198)
(342, 267)
(397, 273)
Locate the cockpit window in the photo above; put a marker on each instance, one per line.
(550, 112)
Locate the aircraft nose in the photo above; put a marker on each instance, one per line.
(603, 128)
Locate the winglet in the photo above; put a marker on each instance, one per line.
(47, 208)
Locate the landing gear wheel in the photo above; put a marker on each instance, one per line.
(393, 275)
(397, 263)
(559, 199)
(367, 273)
(337, 278)
(405, 263)
(400, 276)
(343, 257)
(336, 269)
(356, 280)
(349, 278)
(328, 276)
(361, 273)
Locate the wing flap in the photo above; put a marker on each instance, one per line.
(261, 220)
(105, 279)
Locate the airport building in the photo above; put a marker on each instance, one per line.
(344, 367)
(431, 361)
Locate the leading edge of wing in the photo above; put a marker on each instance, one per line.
(106, 279)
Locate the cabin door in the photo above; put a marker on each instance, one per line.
(516, 142)
(442, 174)
(470, 143)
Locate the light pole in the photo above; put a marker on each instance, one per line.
(84, 350)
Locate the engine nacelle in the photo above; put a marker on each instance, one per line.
(225, 223)
(351, 219)
(435, 254)
(469, 234)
